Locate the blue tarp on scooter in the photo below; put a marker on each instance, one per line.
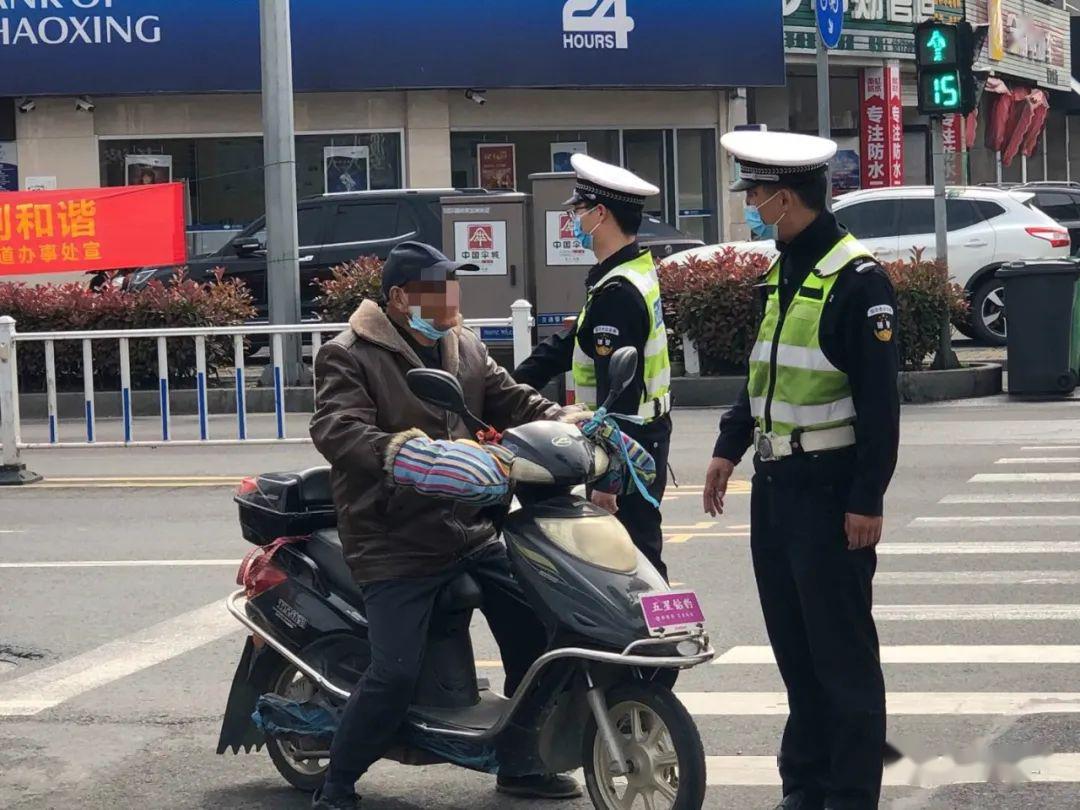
(277, 717)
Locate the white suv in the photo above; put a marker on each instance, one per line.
(988, 227)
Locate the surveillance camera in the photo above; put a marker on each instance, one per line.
(26, 105)
(84, 104)
(476, 96)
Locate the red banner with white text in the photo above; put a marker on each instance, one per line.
(881, 131)
(91, 229)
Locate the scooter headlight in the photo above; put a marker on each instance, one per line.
(600, 540)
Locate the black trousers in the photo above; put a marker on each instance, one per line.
(817, 599)
(641, 519)
(398, 613)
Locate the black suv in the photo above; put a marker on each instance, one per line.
(1061, 202)
(333, 229)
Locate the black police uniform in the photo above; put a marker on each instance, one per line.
(616, 317)
(816, 595)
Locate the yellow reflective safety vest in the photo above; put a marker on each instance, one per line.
(793, 386)
(656, 398)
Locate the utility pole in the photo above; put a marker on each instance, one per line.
(945, 357)
(824, 101)
(279, 151)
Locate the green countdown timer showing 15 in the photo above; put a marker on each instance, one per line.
(941, 90)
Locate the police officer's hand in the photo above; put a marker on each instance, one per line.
(716, 481)
(863, 531)
(608, 503)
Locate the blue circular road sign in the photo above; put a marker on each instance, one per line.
(830, 20)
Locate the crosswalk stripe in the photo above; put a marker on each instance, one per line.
(934, 654)
(45, 688)
(976, 613)
(758, 771)
(978, 547)
(763, 704)
(995, 520)
(977, 578)
(1025, 478)
(1040, 460)
(1013, 497)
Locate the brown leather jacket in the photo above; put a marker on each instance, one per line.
(362, 401)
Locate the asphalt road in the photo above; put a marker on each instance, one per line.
(113, 678)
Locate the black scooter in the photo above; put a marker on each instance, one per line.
(594, 700)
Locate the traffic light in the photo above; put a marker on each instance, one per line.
(944, 57)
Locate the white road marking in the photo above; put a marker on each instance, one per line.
(45, 688)
(760, 704)
(1014, 497)
(11, 531)
(757, 771)
(124, 564)
(976, 613)
(1043, 448)
(978, 578)
(1025, 478)
(975, 547)
(995, 520)
(935, 654)
(1040, 460)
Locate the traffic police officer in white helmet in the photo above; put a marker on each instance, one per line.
(821, 410)
(622, 308)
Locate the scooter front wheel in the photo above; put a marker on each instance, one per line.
(665, 760)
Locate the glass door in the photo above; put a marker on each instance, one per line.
(649, 154)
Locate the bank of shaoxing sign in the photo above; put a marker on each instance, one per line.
(63, 47)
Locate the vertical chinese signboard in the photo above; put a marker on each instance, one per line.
(952, 130)
(92, 229)
(881, 133)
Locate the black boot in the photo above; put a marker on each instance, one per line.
(800, 801)
(544, 786)
(321, 802)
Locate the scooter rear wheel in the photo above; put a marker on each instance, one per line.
(302, 773)
(663, 748)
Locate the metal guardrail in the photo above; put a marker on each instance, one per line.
(520, 322)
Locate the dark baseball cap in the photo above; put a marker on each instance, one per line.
(415, 261)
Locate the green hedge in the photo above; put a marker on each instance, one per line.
(74, 307)
(713, 302)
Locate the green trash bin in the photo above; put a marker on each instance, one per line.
(1042, 302)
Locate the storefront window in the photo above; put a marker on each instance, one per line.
(533, 153)
(224, 176)
(697, 184)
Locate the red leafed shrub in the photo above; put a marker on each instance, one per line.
(348, 285)
(925, 298)
(73, 307)
(713, 303)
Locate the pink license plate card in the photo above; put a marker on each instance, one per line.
(671, 610)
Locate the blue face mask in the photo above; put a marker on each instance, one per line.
(426, 327)
(759, 228)
(580, 234)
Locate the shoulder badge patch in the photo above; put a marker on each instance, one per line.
(881, 318)
(604, 338)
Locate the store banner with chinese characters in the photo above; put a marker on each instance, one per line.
(92, 229)
(881, 134)
(953, 137)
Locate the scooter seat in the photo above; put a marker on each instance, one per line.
(324, 548)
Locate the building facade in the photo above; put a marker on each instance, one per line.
(381, 102)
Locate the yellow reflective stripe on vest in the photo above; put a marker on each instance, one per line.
(656, 364)
(792, 384)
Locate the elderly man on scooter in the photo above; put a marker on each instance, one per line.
(402, 544)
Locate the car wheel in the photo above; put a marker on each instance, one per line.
(988, 322)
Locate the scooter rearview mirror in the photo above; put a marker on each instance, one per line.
(621, 371)
(443, 390)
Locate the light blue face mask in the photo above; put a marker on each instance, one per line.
(586, 238)
(759, 228)
(426, 327)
